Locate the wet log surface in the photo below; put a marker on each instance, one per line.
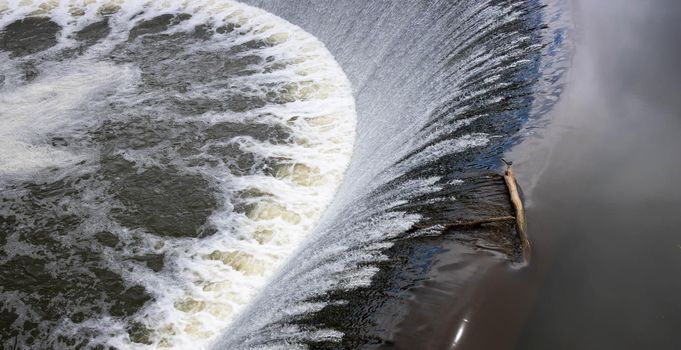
(519, 208)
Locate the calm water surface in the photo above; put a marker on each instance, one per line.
(605, 210)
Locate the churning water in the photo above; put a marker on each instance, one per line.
(178, 173)
(159, 160)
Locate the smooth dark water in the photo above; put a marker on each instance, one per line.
(605, 212)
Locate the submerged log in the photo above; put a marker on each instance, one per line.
(519, 210)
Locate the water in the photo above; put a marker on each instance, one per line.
(602, 206)
(179, 174)
(607, 202)
(459, 97)
(158, 162)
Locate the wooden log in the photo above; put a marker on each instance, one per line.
(519, 210)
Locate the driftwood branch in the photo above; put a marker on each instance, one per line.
(519, 210)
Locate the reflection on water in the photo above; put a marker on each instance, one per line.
(605, 210)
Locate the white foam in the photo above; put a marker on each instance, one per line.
(207, 281)
(48, 106)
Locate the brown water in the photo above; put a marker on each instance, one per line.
(604, 213)
(603, 204)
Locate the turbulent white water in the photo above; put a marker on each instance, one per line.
(29, 112)
(292, 89)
